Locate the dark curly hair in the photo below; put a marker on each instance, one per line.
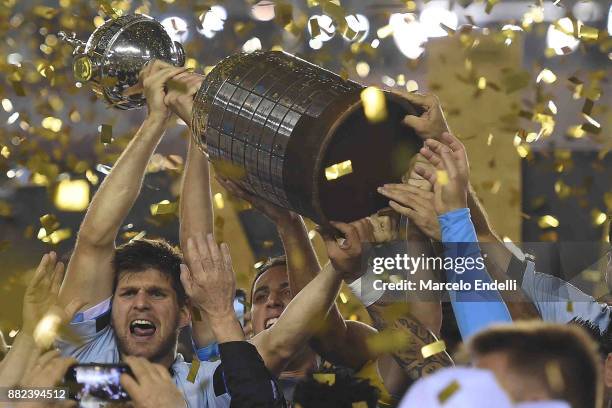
(603, 339)
(142, 254)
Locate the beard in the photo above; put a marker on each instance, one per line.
(166, 347)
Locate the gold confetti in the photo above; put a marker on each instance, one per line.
(343, 298)
(598, 217)
(588, 33)
(49, 222)
(193, 371)
(52, 124)
(45, 12)
(18, 87)
(108, 9)
(360, 404)
(325, 378)
(106, 134)
(548, 221)
(5, 152)
(363, 69)
(547, 76)
(384, 32)
(315, 30)
(482, 83)
(433, 348)
(591, 128)
(442, 177)
(575, 132)
(46, 330)
(5, 209)
(388, 341)
(338, 170)
(218, 199)
(374, 104)
(554, 376)
(490, 4)
(448, 391)
(523, 150)
(57, 236)
(412, 86)
(608, 200)
(163, 207)
(72, 195)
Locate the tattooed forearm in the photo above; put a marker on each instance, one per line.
(410, 358)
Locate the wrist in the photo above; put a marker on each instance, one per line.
(226, 327)
(157, 118)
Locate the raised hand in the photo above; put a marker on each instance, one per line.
(275, 213)
(181, 91)
(416, 204)
(345, 254)
(209, 278)
(151, 386)
(47, 371)
(41, 297)
(154, 77)
(452, 173)
(432, 123)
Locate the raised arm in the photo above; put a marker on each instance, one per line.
(299, 321)
(89, 273)
(339, 341)
(432, 124)
(40, 300)
(196, 219)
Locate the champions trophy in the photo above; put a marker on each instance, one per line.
(296, 133)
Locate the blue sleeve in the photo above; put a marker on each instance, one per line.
(474, 309)
(208, 353)
(89, 337)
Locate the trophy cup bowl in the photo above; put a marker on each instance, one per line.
(296, 135)
(115, 53)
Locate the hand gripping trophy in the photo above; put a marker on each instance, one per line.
(297, 131)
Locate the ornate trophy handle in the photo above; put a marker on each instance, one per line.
(77, 45)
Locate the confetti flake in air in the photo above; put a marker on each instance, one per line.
(72, 195)
(46, 330)
(106, 134)
(554, 376)
(448, 391)
(338, 170)
(374, 104)
(442, 177)
(546, 76)
(548, 221)
(325, 378)
(164, 207)
(433, 349)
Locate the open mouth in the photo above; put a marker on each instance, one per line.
(270, 322)
(142, 328)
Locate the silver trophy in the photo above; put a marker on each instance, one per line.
(115, 53)
(282, 128)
